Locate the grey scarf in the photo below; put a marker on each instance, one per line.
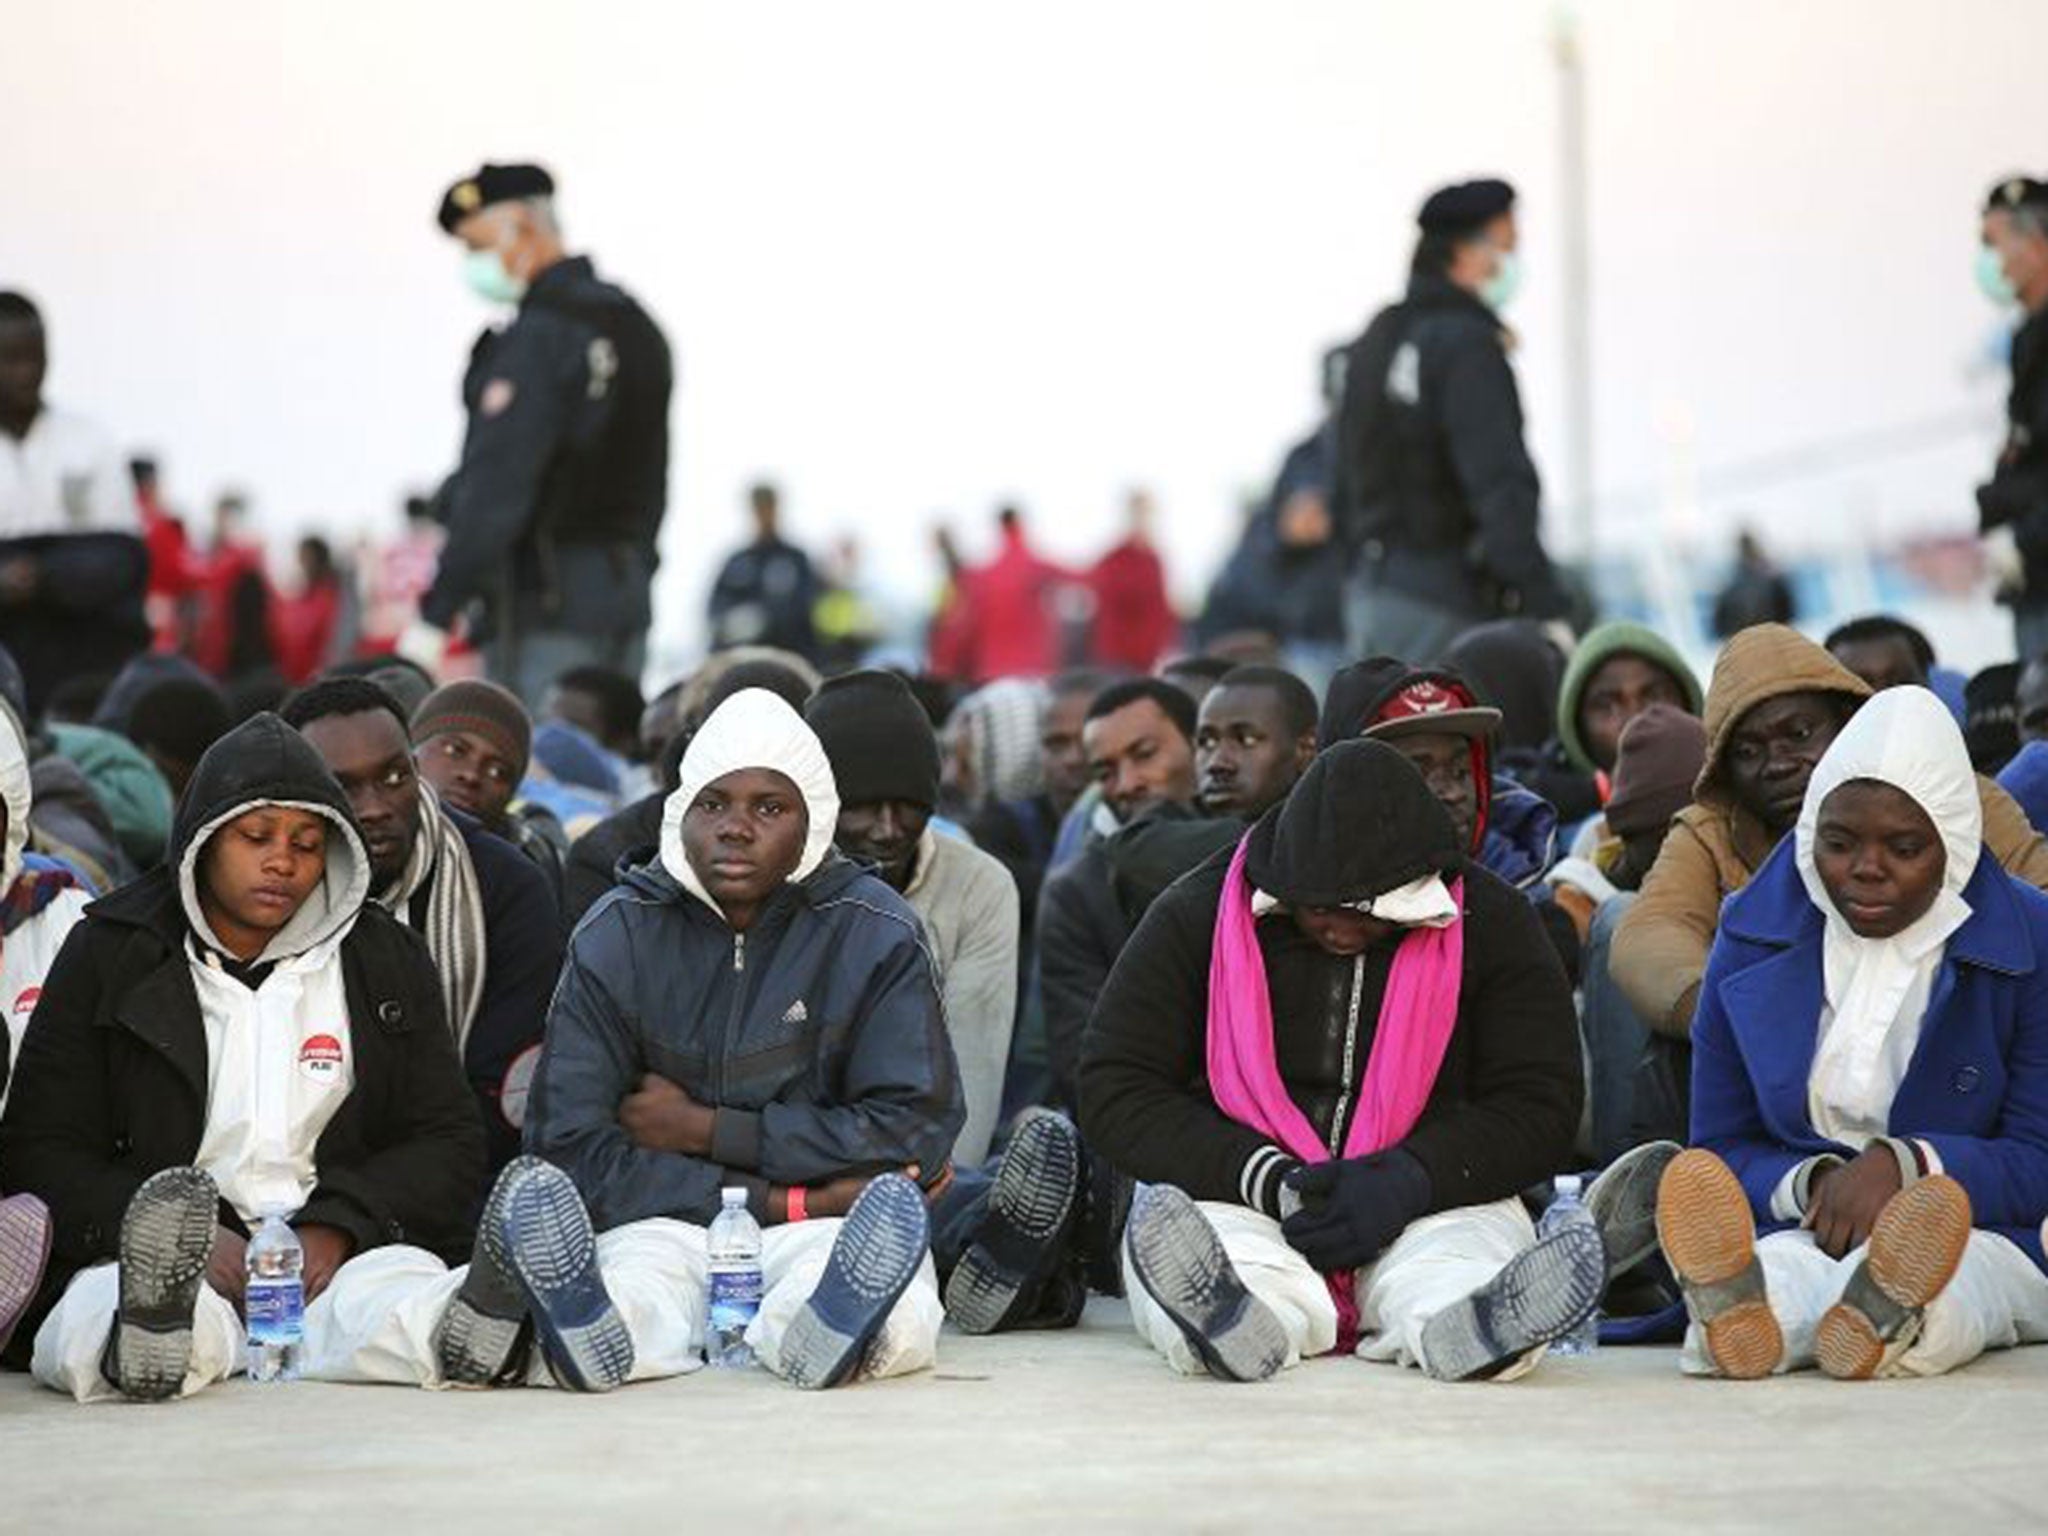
(454, 928)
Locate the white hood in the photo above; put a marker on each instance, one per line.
(14, 792)
(753, 729)
(1876, 990)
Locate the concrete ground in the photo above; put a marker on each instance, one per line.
(1082, 1430)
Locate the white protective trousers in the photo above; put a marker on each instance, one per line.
(1996, 1300)
(376, 1322)
(1434, 1263)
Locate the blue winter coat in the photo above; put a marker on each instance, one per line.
(818, 1035)
(1977, 1087)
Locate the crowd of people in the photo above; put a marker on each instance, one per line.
(1271, 1000)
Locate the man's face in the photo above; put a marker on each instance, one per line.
(1621, 688)
(507, 228)
(1139, 757)
(883, 833)
(1445, 763)
(2022, 254)
(257, 871)
(1245, 760)
(1773, 750)
(372, 759)
(469, 773)
(744, 836)
(23, 362)
(1059, 746)
(2030, 702)
(1886, 662)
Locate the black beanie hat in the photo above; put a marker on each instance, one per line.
(878, 738)
(1359, 824)
(1991, 724)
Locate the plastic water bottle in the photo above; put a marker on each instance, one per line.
(735, 1251)
(1568, 1210)
(274, 1304)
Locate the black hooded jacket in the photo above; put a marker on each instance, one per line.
(111, 1084)
(1506, 1102)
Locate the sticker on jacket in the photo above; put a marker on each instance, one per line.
(320, 1060)
(26, 1002)
(518, 1085)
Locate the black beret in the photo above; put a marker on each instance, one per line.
(1468, 206)
(2016, 191)
(492, 184)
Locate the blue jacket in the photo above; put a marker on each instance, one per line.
(1520, 843)
(818, 1035)
(1977, 1088)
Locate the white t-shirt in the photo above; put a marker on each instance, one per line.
(64, 477)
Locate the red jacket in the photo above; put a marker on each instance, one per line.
(1134, 618)
(1003, 622)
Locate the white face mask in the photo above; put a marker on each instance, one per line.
(1499, 290)
(484, 272)
(1991, 278)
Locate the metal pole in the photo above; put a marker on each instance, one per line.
(1578, 339)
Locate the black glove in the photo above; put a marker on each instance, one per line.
(1351, 1209)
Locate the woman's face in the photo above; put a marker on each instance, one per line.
(1879, 857)
(1340, 930)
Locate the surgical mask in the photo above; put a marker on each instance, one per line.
(1500, 289)
(485, 273)
(1991, 278)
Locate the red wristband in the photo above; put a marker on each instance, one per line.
(793, 1203)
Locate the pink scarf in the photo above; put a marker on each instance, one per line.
(1417, 1015)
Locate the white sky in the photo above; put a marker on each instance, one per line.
(916, 256)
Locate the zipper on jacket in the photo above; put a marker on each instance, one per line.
(732, 1014)
(1349, 1076)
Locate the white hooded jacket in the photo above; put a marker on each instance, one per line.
(26, 954)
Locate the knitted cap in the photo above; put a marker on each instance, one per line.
(1660, 757)
(878, 737)
(482, 708)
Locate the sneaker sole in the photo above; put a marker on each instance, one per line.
(1623, 1204)
(1036, 1193)
(549, 1248)
(484, 1322)
(1543, 1294)
(1180, 1261)
(166, 1240)
(24, 1254)
(1709, 1239)
(873, 1260)
(1915, 1249)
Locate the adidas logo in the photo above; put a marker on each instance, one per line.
(796, 1013)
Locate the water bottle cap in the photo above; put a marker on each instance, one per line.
(1566, 1184)
(733, 1195)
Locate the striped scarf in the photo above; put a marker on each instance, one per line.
(454, 925)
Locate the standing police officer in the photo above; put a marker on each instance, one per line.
(554, 513)
(2012, 266)
(1435, 489)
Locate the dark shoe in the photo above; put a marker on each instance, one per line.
(1024, 1233)
(543, 1241)
(1623, 1204)
(1709, 1238)
(1542, 1295)
(1180, 1261)
(1914, 1251)
(873, 1260)
(166, 1240)
(24, 1250)
(483, 1338)
(1099, 1235)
